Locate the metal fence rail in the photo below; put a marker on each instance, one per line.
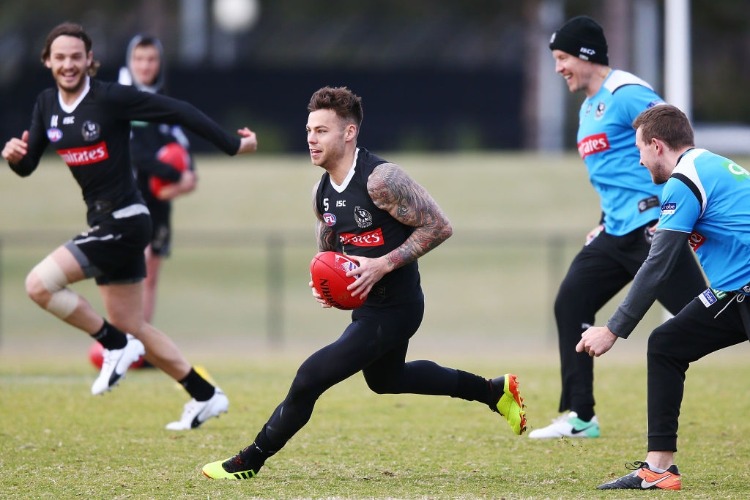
(488, 277)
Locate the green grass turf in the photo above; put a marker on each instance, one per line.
(518, 221)
(59, 441)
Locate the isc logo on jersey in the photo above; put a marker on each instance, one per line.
(75, 157)
(593, 144)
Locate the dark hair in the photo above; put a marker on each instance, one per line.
(341, 100)
(666, 123)
(69, 29)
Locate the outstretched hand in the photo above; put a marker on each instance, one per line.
(15, 149)
(596, 341)
(249, 142)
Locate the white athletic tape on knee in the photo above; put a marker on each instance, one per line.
(62, 301)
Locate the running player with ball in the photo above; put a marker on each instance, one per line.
(370, 209)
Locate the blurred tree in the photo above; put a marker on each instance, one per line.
(470, 37)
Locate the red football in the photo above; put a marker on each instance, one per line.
(96, 356)
(328, 274)
(172, 154)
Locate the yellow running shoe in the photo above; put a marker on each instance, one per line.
(510, 405)
(218, 469)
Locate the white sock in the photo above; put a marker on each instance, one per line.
(656, 469)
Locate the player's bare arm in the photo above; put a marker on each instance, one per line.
(326, 241)
(323, 233)
(392, 190)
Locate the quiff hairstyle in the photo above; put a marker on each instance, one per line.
(74, 30)
(666, 123)
(345, 103)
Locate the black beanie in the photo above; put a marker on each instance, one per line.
(581, 37)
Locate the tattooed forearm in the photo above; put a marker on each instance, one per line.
(391, 189)
(325, 237)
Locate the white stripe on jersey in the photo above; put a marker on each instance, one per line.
(95, 238)
(130, 211)
(618, 78)
(686, 167)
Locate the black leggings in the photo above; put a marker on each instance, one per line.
(695, 332)
(375, 343)
(598, 273)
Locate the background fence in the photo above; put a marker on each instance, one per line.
(237, 279)
(235, 291)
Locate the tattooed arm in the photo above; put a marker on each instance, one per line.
(323, 234)
(392, 190)
(326, 241)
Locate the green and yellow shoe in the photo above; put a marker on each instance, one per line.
(218, 469)
(510, 405)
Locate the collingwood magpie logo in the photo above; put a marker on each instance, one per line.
(90, 131)
(362, 217)
(600, 109)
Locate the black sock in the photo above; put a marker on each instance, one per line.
(585, 414)
(110, 337)
(198, 387)
(474, 388)
(251, 458)
(496, 390)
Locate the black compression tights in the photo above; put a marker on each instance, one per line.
(374, 343)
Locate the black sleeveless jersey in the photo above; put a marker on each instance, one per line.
(93, 138)
(361, 228)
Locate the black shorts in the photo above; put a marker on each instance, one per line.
(161, 234)
(112, 251)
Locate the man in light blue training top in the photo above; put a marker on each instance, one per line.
(619, 244)
(705, 204)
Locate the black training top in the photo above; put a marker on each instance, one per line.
(361, 228)
(92, 136)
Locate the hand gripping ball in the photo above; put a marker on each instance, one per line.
(328, 273)
(172, 154)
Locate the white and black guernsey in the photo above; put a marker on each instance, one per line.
(362, 229)
(92, 136)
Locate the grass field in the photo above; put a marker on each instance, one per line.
(518, 220)
(57, 441)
